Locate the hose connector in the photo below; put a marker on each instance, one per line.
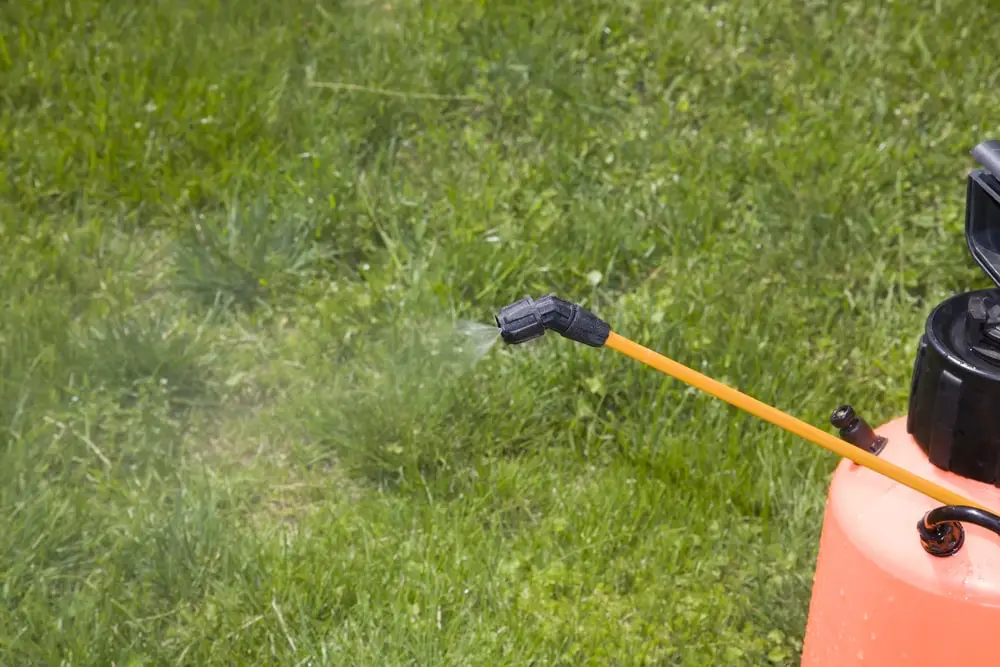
(528, 319)
(941, 532)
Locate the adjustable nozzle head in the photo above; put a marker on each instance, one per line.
(520, 322)
(528, 319)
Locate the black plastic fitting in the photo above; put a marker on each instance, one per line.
(520, 322)
(856, 430)
(941, 532)
(528, 319)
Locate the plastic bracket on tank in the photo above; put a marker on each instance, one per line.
(855, 430)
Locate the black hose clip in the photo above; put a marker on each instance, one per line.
(941, 532)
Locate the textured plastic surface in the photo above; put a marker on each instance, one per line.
(520, 322)
(878, 598)
(527, 319)
(587, 328)
(954, 412)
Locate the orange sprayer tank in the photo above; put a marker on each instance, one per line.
(881, 594)
(878, 598)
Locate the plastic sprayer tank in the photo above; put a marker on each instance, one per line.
(879, 597)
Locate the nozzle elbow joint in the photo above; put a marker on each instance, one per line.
(528, 319)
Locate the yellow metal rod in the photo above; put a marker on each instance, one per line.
(785, 421)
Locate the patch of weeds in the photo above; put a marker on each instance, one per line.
(246, 259)
(130, 353)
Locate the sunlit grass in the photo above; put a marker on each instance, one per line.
(238, 423)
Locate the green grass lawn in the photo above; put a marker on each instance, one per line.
(236, 238)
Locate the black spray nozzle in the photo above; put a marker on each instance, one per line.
(528, 319)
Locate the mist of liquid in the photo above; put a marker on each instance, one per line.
(475, 339)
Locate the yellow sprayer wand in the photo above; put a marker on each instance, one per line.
(784, 420)
(527, 319)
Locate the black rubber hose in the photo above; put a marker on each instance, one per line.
(941, 532)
